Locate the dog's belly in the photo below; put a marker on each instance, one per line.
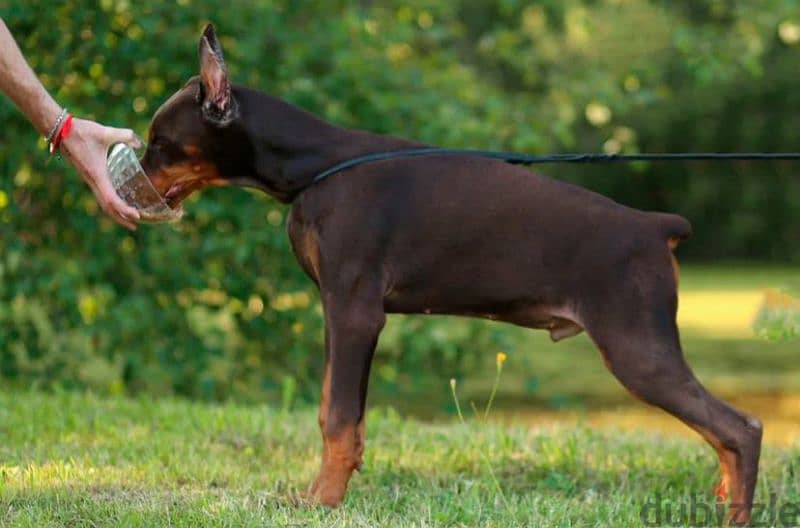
(561, 322)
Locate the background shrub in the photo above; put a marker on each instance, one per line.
(216, 307)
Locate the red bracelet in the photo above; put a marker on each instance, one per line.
(61, 135)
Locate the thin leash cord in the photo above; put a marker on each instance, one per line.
(528, 159)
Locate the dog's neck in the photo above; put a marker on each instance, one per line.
(290, 146)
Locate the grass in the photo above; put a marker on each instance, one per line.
(566, 446)
(78, 460)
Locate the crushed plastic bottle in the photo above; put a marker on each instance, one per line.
(133, 186)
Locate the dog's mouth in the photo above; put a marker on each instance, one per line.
(177, 192)
(177, 182)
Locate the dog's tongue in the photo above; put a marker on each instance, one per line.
(173, 194)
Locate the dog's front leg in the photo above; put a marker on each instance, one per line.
(353, 321)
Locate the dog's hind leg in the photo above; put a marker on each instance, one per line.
(638, 337)
(353, 321)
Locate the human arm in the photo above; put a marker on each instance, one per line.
(88, 143)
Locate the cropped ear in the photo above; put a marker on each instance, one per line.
(219, 107)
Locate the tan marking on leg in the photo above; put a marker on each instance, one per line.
(727, 464)
(324, 404)
(311, 253)
(342, 453)
(340, 457)
(728, 487)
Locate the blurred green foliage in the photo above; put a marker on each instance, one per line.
(216, 307)
(779, 316)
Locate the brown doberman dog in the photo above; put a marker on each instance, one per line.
(460, 235)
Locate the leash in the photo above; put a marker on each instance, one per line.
(528, 159)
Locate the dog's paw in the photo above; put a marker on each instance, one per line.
(326, 492)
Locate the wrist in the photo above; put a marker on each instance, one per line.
(76, 134)
(60, 131)
(57, 123)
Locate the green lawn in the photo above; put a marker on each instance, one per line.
(568, 446)
(78, 460)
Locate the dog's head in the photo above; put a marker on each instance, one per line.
(195, 139)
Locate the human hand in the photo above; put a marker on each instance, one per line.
(86, 148)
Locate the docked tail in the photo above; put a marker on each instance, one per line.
(673, 227)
